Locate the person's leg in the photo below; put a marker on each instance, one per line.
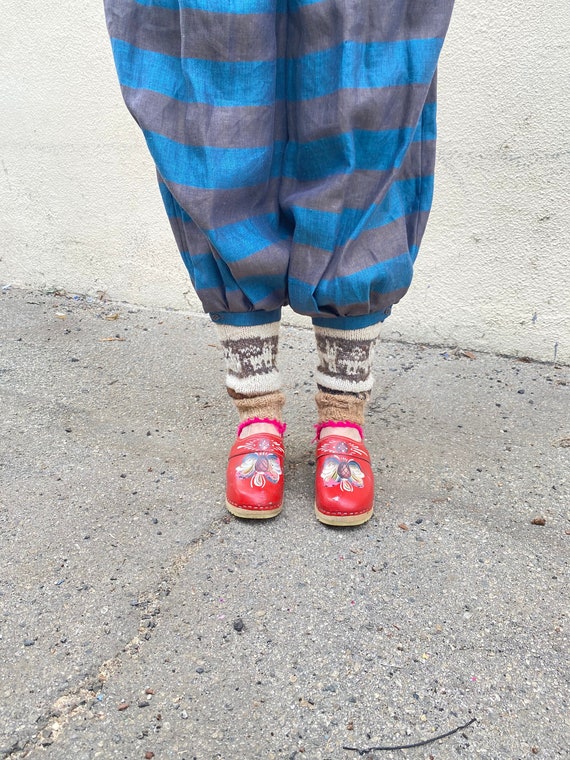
(357, 187)
(254, 478)
(205, 82)
(344, 483)
(359, 164)
(344, 379)
(252, 378)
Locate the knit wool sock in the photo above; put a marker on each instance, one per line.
(345, 358)
(251, 357)
(252, 380)
(266, 406)
(344, 372)
(341, 407)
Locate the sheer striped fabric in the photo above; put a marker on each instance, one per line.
(294, 142)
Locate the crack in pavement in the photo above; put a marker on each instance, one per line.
(83, 696)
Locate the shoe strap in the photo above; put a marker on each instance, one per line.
(260, 443)
(335, 445)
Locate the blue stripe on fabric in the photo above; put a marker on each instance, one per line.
(214, 168)
(229, 282)
(351, 65)
(238, 240)
(328, 230)
(235, 7)
(384, 277)
(255, 289)
(361, 150)
(356, 65)
(295, 4)
(197, 80)
(247, 237)
(352, 323)
(245, 318)
(203, 270)
(206, 272)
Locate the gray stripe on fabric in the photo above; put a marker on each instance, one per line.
(209, 207)
(232, 37)
(273, 260)
(382, 301)
(312, 265)
(378, 302)
(250, 126)
(235, 301)
(261, 36)
(374, 246)
(204, 124)
(190, 33)
(145, 26)
(215, 208)
(238, 302)
(320, 26)
(189, 237)
(336, 192)
(232, 206)
(360, 108)
(214, 300)
(359, 189)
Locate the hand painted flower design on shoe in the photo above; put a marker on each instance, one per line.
(258, 445)
(260, 467)
(342, 447)
(347, 474)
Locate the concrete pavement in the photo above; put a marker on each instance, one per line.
(139, 620)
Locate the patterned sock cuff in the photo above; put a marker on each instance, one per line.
(250, 353)
(345, 358)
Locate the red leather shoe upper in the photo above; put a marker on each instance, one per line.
(344, 480)
(254, 477)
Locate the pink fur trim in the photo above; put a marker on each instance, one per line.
(281, 426)
(340, 424)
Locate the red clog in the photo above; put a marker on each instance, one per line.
(344, 488)
(254, 479)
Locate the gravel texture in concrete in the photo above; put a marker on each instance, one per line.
(139, 620)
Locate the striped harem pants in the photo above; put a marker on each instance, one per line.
(294, 142)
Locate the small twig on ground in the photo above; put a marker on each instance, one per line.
(366, 750)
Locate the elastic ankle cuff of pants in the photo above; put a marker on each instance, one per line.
(338, 407)
(352, 323)
(267, 405)
(246, 318)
